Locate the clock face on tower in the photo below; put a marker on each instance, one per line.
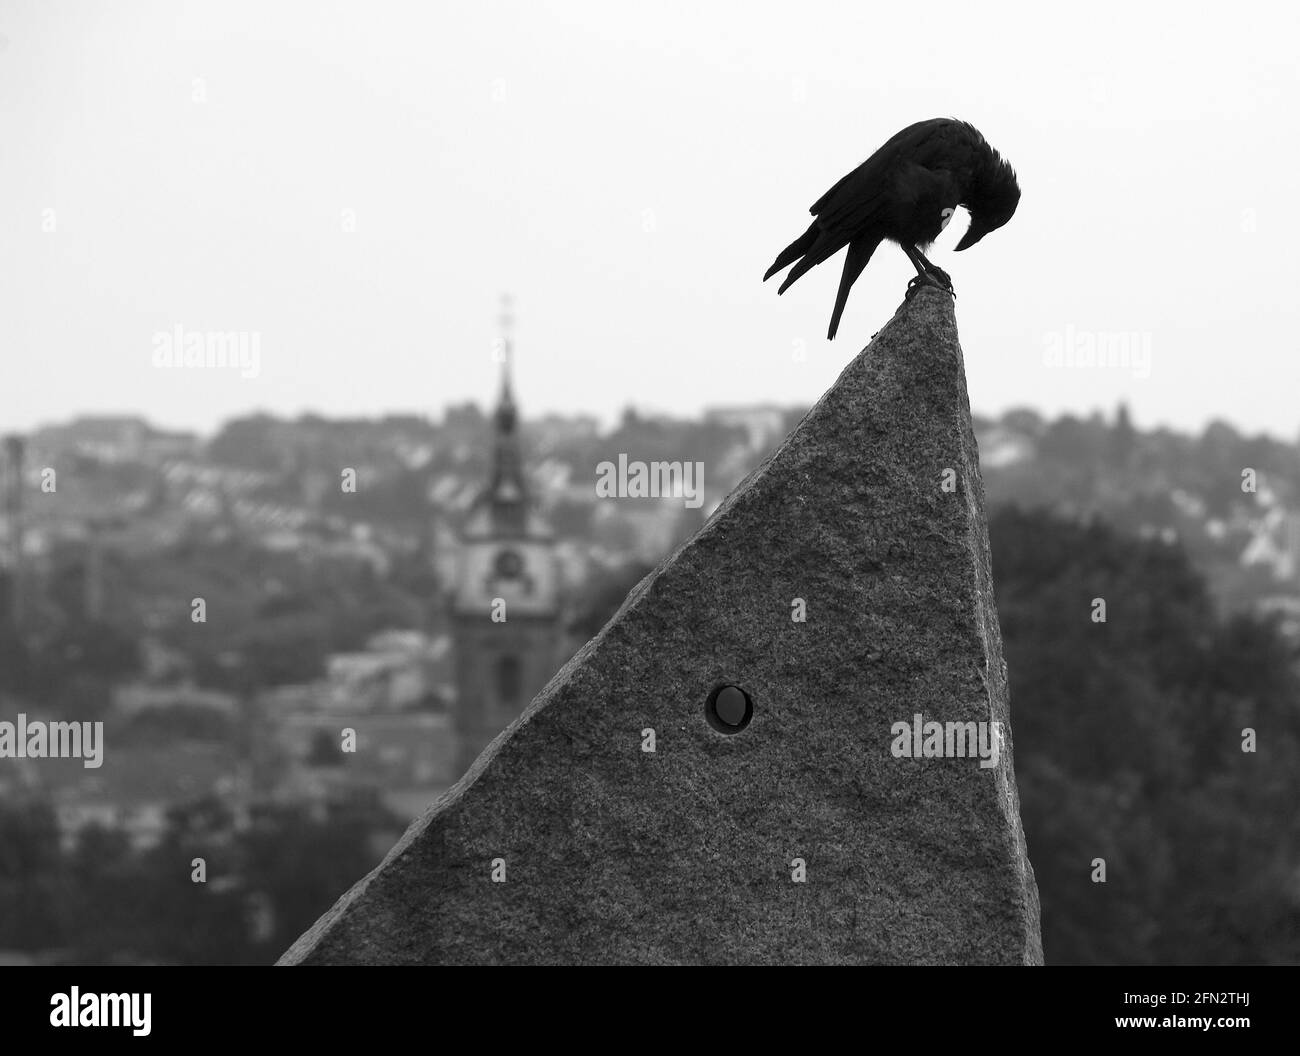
(509, 565)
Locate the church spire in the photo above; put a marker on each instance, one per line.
(506, 414)
(507, 493)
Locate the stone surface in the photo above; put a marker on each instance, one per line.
(613, 854)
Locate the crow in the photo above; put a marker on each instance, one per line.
(906, 192)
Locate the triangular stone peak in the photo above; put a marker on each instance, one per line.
(851, 797)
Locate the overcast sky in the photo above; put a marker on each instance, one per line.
(356, 183)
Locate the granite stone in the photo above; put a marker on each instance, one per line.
(567, 842)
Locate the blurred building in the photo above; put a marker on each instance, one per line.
(390, 701)
(408, 758)
(764, 424)
(136, 787)
(12, 552)
(397, 671)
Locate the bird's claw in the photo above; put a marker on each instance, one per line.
(936, 277)
(942, 276)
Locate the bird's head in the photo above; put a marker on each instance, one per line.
(991, 201)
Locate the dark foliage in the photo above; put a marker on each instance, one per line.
(1128, 739)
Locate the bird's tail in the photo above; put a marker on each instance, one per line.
(793, 251)
(824, 246)
(859, 253)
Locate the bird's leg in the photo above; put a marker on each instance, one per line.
(935, 270)
(927, 274)
(922, 279)
(918, 261)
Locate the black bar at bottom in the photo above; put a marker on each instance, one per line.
(240, 1006)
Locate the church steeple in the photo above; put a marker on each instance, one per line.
(506, 608)
(506, 495)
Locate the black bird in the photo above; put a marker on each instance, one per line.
(906, 192)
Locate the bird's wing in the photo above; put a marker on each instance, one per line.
(856, 193)
(913, 182)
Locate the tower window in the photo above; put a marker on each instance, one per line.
(509, 564)
(509, 680)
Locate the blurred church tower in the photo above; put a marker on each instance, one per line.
(506, 613)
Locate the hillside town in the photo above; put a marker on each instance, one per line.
(299, 614)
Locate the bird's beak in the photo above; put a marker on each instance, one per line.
(977, 230)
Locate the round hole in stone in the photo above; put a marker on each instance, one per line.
(729, 709)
